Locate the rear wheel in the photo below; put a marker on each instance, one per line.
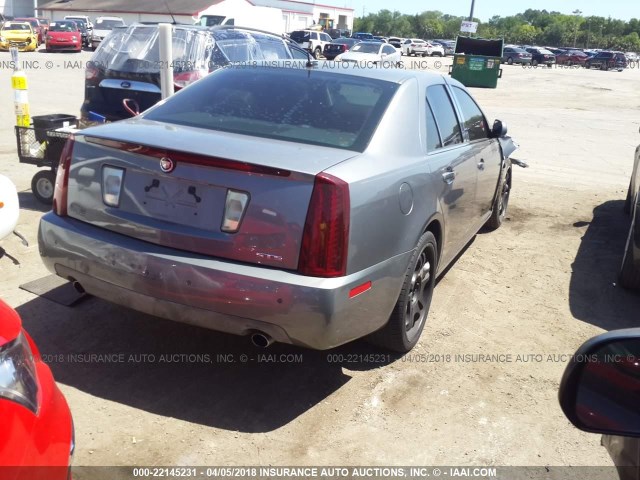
(317, 53)
(402, 331)
(534, 63)
(509, 61)
(587, 64)
(629, 274)
(42, 186)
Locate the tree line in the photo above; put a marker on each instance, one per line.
(533, 27)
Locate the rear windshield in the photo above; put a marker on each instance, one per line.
(297, 105)
(136, 49)
(106, 24)
(299, 36)
(366, 48)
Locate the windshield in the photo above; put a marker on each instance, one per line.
(16, 27)
(366, 48)
(63, 27)
(105, 24)
(544, 51)
(298, 105)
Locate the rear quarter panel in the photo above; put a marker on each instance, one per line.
(379, 230)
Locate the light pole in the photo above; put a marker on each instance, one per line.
(577, 13)
(473, 4)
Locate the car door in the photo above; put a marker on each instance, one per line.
(486, 150)
(452, 163)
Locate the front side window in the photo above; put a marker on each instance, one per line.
(474, 121)
(445, 115)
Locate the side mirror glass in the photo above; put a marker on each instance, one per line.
(499, 129)
(600, 389)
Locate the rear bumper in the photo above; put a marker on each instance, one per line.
(217, 294)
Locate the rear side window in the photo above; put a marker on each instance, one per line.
(474, 121)
(445, 115)
(295, 105)
(433, 136)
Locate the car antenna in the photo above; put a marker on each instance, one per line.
(166, 4)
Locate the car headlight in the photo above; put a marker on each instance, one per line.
(74, 39)
(2, 39)
(18, 379)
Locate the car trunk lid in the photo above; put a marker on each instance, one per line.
(185, 207)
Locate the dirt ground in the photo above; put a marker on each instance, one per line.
(533, 291)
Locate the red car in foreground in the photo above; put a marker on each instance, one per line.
(36, 433)
(64, 35)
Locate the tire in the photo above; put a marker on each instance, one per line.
(587, 65)
(509, 61)
(501, 204)
(627, 202)
(414, 300)
(534, 63)
(629, 277)
(317, 53)
(42, 185)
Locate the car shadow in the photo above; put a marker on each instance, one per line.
(28, 202)
(193, 374)
(594, 295)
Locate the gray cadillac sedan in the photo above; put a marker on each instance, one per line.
(304, 205)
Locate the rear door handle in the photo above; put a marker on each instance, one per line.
(449, 176)
(481, 164)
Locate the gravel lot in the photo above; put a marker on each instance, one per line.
(531, 293)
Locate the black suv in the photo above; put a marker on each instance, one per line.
(607, 61)
(541, 55)
(123, 76)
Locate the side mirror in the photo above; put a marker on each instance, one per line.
(600, 389)
(499, 129)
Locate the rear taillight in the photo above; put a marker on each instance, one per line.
(90, 73)
(183, 79)
(323, 252)
(343, 48)
(62, 179)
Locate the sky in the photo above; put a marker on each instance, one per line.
(485, 9)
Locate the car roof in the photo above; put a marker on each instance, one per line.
(393, 75)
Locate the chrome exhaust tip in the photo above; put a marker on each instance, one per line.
(261, 340)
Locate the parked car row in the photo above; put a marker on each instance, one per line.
(528, 55)
(72, 33)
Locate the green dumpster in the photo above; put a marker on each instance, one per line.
(476, 62)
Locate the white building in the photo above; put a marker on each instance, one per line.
(297, 14)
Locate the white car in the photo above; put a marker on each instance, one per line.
(374, 52)
(415, 46)
(631, 56)
(103, 27)
(84, 18)
(435, 49)
(311, 40)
